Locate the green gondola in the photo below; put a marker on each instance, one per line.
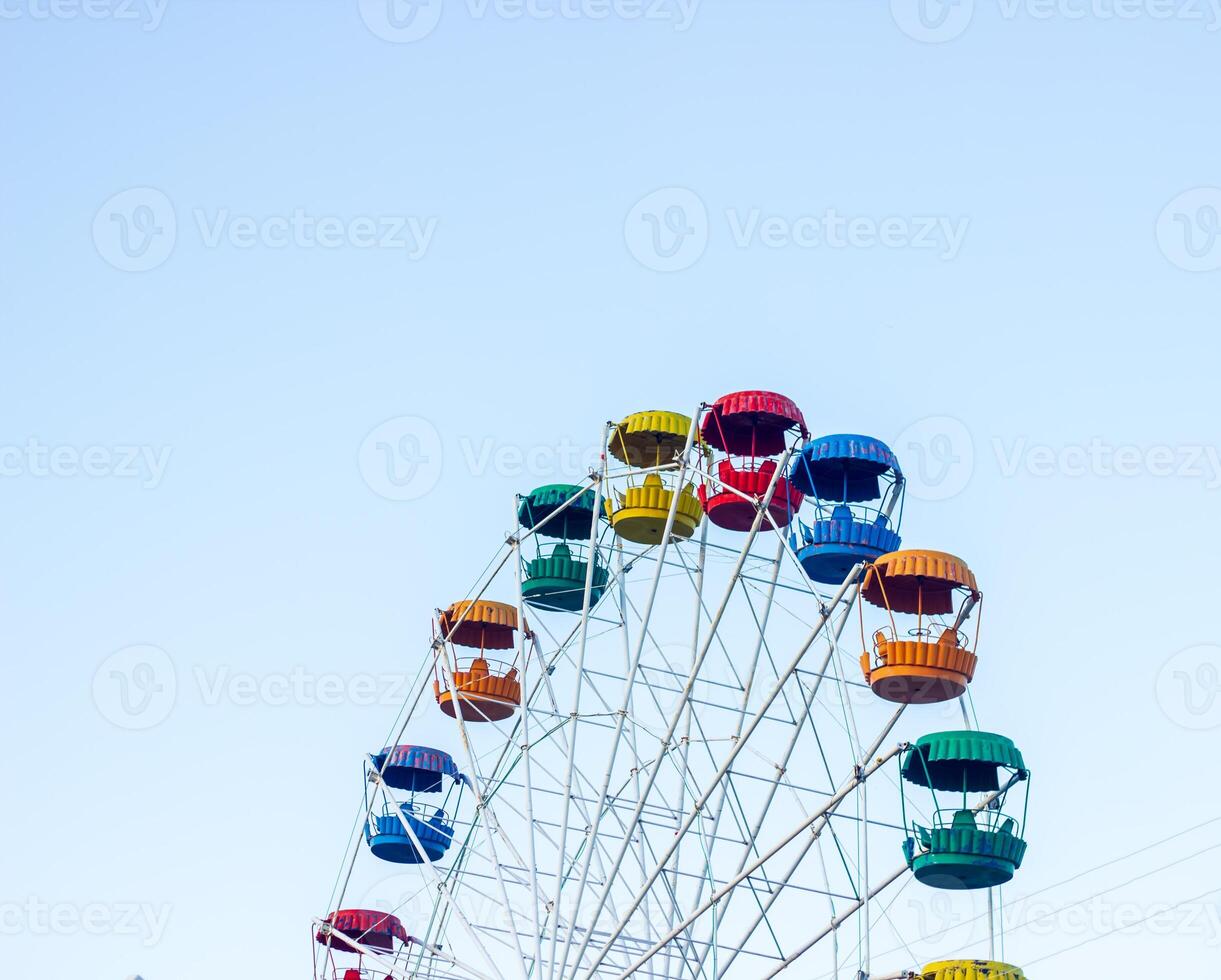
(555, 579)
(966, 846)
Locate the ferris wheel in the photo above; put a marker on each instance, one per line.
(664, 751)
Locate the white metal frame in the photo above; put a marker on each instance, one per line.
(639, 838)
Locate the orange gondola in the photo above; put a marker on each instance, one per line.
(932, 661)
(477, 688)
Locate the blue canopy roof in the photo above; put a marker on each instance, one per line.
(416, 767)
(843, 468)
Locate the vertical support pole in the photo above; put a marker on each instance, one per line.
(574, 716)
(865, 910)
(684, 753)
(621, 720)
(991, 928)
(523, 658)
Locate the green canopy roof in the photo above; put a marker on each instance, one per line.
(962, 761)
(536, 506)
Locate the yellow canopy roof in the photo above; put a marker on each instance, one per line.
(971, 970)
(650, 438)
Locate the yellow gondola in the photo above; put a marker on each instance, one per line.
(971, 970)
(652, 441)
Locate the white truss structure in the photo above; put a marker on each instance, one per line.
(690, 790)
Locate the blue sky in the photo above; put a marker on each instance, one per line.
(240, 239)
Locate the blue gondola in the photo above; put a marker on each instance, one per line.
(388, 838)
(414, 769)
(853, 481)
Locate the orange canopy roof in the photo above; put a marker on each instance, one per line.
(915, 581)
(487, 625)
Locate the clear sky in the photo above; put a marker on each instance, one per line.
(238, 237)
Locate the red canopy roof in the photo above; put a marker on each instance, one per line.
(747, 423)
(377, 930)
